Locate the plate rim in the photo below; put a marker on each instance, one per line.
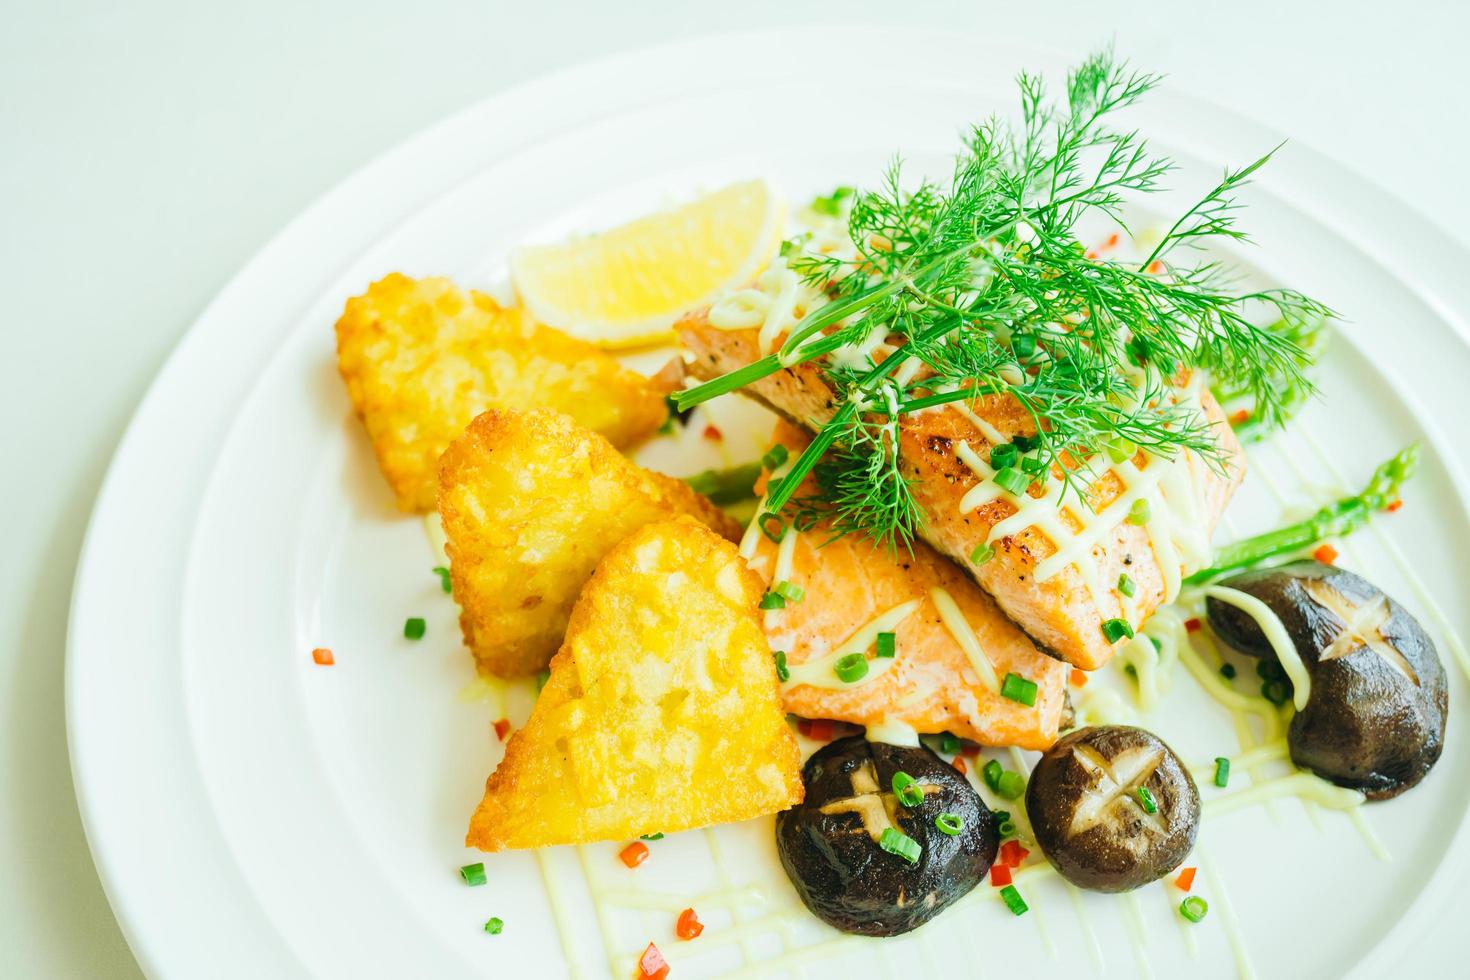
(1420, 258)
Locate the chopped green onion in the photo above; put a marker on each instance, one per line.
(949, 743)
(1270, 670)
(772, 526)
(1024, 443)
(896, 842)
(1126, 586)
(1024, 345)
(886, 645)
(1013, 480)
(1013, 900)
(1010, 785)
(1194, 908)
(542, 677)
(1116, 629)
(1006, 828)
(982, 554)
(790, 591)
(775, 457)
(1034, 465)
(907, 789)
(1140, 513)
(494, 925)
(1019, 689)
(1001, 816)
(1222, 771)
(950, 824)
(1120, 450)
(1157, 643)
(831, 205)
(657, 836)
(413, 628)
(1003, 456)
(1227, 671)
(473, 874)
(851, 668)
(444, 582)
(1146, 800)
(1277, 692)
(773, 600)
(783, 673)
(991, 773)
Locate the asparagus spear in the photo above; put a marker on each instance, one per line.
(1333, 521)
(725, 487)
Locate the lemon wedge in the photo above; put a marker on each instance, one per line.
(626, 286)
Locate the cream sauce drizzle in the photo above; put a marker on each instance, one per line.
(785, 557)
(964, 634)
(1276, 635)
(818, 671)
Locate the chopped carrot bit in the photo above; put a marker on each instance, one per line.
(713, 434)
(1238, 417)
(688, 926)
(1092, 253)
(1078, 677)
(1112, 241)
(1000, 875)
(323, 656)
(634, 854)
(1193, 625)
(1394, 506)
(502, 729)
(1185, 881)
(652, 965)
(959, 766)
(1326, 554)
(1155, 267)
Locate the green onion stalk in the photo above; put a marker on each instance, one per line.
(1336, 520)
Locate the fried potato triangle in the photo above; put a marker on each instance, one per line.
(421, 358)
(662, 711)
(530, 503)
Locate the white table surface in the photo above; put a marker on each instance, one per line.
(148, 148)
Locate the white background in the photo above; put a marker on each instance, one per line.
(148, 148)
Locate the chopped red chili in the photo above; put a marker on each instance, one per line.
(688, 926)
(634, 854)
(713, 434)
(1078, 677)
(1193, 625)
(1000, 875)
(1394, 506)
(1237, 418)
(970, 749)
(1012, 854)
(960, 767)
(1185, 881)
(1155, 267)
(1326, 554)
(502, 729)
(652, 965)
(323, 656)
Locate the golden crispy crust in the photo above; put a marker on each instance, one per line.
(421, 358)
(530, 503)
(662, 712)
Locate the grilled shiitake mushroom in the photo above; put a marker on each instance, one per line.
(1112, 807)
(1375, 718)
(838, 845)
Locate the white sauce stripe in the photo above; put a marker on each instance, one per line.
(820, 672)
(1276, 635)
(959, 628)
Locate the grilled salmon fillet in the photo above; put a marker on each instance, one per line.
(931, 685)
(1065, 610)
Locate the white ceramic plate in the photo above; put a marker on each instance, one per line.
(255, 815)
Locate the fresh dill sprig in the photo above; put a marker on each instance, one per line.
(985, 282)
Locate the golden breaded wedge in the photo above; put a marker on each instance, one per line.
(530, 503)
(661, 712)
(421, 358)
